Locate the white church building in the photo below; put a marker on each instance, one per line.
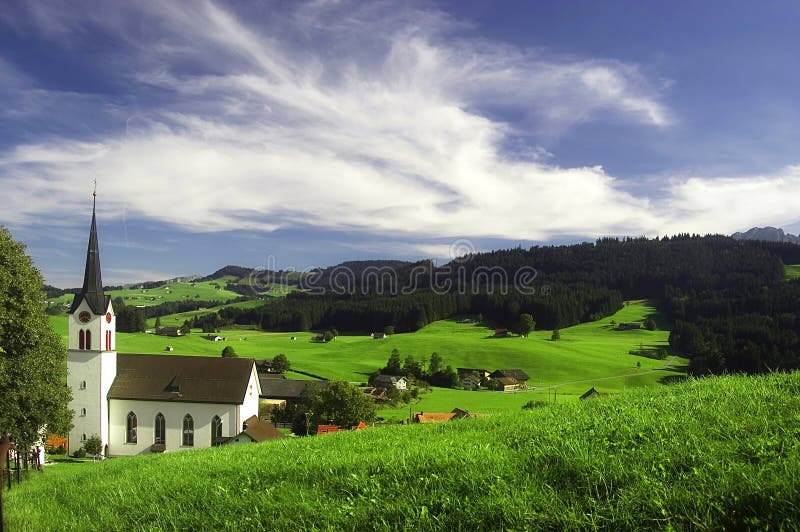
(140, 404)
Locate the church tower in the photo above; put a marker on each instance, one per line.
(92, 358)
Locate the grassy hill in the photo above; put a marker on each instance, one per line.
(792, 271)
(589, 354)
(173, 291)
(717, 453)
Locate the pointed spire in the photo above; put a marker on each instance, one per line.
(92, 290)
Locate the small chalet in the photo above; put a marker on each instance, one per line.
(169, 331)
(629, 326)
(515, 373)
(506, 384)
(265, 366)
(481, 373)
(378, 335)
(500, 333)
(376, 394)
(386, 381)
(439, 417)
(279, 390)
(471, 381)
(318, 338)
(591, 393)
(253, 431)
(214, 338)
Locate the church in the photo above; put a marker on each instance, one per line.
(140, 404)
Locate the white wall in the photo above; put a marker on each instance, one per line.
(97, 370)
(97, 326)
(173, 414)
(249, 406)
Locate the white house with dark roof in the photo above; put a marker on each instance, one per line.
(147, 403)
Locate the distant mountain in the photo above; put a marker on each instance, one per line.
(768, 234)
(228, 271)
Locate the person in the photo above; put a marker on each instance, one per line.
(5, 444)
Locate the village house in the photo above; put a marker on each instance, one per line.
(378, 335)
(591, 393)
(146, 403)
(471, 381)
(515, 373)
(253, 431)
(387, 381)
(169, 331)
(439, 417)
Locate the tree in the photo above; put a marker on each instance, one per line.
(341, 404)
(393, 366)
(556, 335)
(131, 319)
(327, 336)
(280, 363)
(228, 352)
(158, 322)
(650, 324)
(93, 445)
(436, 363)
(33, 366)
(525, 325)
(186, 328)
(412, 367)
(388, 330)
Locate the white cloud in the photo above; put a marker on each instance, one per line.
(390, 124)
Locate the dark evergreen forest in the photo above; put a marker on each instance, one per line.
(731, 307)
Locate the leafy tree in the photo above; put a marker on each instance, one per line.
(228, 352)
(436, 363)
(327, 336)
(525, 325)
(33, 366)
(186, 328)
(158, 322)
(131, 319)
(650, 324)
(556, 335)
(393, 366)
(342, 404)
(280, 363)
(446, 378)
(412, 367)
(388, 330)
(93, 445)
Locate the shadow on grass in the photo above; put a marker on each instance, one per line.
(673, 379)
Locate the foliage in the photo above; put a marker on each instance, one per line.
(280, 363)
(229, 352)
(716, 454)
(79, 453)
(389, 330)
(341, 404)
(130, 319)
(32, 358)
(650, 324)
(556, 335)
(93, 445)
(525, 325)
(186, 328)
(393, 366)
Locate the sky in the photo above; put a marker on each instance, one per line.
(288, 134)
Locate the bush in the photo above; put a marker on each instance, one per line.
(530, 405)
(80, 453)
(556, 335)
(228, 352)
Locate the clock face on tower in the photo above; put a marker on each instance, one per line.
(84, 316)
(108, 317)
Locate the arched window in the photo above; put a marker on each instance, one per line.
(130, 428)
(216, 430)
(83, 385)
(160, 429)
(188, 431)
(108, 340)
(81, 340)
(83, 437)
(88, 340)
(83, 412)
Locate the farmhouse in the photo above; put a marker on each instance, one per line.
(279, 390)
(387, 381)
(378, 336)
(253, 431)
(591, 393)
(139, 404)
(168, 331)
(471, 381)
(515, 373)
(629, 326)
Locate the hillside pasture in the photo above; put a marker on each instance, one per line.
(709, 454)
(792, 271)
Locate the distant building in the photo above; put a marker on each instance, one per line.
(169, 331)
(378, 335)
(500, 333)
(253, 431)
(515, 373)
(387, 381)
(591, 393)
(629, 326)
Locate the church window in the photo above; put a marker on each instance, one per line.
(160, 436)
(83, 437)
(83, 385)
(81, 340)
(108, 340)
(130, 428)
(188, 431)
(216, 430)
(88, 340)
(83, 412)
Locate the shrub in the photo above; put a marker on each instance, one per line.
(80, 453)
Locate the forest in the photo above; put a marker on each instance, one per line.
(732, 308)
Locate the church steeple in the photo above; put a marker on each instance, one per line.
(92, 290)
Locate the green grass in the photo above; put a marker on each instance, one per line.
(792, 271)
(589, 354)
(719, 453)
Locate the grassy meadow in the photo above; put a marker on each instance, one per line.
(717, 453)
(792, 271)
(589, 354)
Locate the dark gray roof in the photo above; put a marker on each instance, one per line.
(92, 290)
(514, 373)
(179, 378)
(272, 388)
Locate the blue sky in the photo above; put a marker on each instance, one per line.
(291, 134)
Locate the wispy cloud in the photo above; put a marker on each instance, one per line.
(377, 118)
